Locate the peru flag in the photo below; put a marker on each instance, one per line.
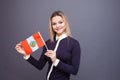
(33, 43)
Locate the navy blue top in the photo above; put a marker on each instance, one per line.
(68, 53)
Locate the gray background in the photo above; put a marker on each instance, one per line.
(94, 23)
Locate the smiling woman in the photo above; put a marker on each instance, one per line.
(63, 53)
(58, 20)
(58, 25)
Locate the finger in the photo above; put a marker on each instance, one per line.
(20, 45)
(48, 54)
(17, 47)
(51, 51)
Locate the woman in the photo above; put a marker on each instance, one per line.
(63, 54)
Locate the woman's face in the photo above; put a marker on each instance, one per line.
(58, 25)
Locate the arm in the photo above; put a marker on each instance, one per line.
(74, 66)
(39, 64)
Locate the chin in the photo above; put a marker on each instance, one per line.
(59, 32)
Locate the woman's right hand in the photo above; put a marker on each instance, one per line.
(19, 49)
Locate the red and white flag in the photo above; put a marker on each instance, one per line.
(33, 43)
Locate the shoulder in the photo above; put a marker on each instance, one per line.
(75, 45)
(73, 40)
(48, 41)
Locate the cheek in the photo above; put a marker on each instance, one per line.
(53, 28)
(63, 24)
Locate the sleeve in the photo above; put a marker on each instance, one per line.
(39, 64)
(26, 57)
(74, 66)
(56, 62)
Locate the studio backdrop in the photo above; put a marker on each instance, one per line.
(94, 23)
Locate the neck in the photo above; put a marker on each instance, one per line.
(61, 36)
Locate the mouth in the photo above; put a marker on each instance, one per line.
(58, 29)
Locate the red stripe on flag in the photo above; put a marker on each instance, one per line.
(26, 47)
(38, 39)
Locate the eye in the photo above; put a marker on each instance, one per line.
(53, 23)
(60, 22)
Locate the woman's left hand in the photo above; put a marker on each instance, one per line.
(51, 54)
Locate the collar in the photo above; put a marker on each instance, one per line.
(64, 35)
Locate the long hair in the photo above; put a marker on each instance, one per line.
(67, 30)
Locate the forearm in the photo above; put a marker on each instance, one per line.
(71, 69)
(39, 64)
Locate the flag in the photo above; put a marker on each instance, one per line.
(32, 43)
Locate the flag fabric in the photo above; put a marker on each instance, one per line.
(33, 43)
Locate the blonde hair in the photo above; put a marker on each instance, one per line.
(67, 30)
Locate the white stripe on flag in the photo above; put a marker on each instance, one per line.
(32, 43)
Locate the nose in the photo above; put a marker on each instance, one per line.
(57, 25)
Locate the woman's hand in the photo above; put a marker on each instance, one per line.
(19, 49)
(51, 54)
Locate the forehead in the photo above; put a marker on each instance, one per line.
(57, 18)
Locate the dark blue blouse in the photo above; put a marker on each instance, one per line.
(68, 53)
